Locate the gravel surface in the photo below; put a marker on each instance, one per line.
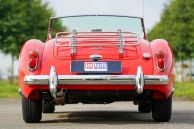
(120, 115)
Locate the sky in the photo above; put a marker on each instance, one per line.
(152, 8)
(151, 14)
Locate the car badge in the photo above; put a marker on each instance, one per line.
(97, 48)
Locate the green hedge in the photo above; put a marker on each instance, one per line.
(8, 90)
(182, 89)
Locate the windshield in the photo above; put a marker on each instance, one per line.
(96, 23)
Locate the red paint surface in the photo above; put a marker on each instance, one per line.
(60, 58)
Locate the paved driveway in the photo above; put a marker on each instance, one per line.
(120, 115)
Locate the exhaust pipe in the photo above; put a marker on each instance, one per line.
(59, 97)
(53, 83)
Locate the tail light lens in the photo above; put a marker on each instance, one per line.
(33, 60)
(160, 61)
(160, 54)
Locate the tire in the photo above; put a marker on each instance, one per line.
(31, 110)
(47, 107)
(162, 109)
(144, 107)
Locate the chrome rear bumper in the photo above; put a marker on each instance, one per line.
(96, 79)
(138, 80)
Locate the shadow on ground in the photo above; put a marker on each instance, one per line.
(116, 117)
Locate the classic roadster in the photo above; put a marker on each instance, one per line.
(96, 59)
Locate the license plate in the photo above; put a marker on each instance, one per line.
(95, 66)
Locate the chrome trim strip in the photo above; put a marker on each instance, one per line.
(36, 79)
(96, 79)
(113, 15)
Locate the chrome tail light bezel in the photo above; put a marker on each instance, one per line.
(37, 60)
(162, 58)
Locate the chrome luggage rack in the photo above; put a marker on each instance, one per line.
(119, 39)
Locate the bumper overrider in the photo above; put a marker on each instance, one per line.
(138, 80)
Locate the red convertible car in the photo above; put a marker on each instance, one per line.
(96, 59)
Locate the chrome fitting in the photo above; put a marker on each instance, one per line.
(53, 82)
(96, 57)
(139, 80)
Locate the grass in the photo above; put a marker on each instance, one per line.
(8, 90)
(182, 89)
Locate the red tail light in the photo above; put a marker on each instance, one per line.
(33, 60)
(160, 61)
(160, 54)
(33, 54)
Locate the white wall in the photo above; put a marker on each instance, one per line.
(186, 70)
(5, 64)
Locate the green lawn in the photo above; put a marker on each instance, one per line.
(8, 90)
(182, 89)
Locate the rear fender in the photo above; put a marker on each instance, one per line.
(169, 62)
(23, 64)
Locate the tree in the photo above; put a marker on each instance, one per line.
(176, 26)
(21, 20)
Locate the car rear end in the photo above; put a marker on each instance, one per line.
(96, 67)
(84, 63)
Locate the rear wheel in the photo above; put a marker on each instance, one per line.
(144, 107)
(48, 107)
(162, 109)
(31, 110)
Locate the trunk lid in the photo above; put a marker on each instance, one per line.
(111, 46)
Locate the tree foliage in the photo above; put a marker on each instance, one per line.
(177, 26)
(21, 20)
